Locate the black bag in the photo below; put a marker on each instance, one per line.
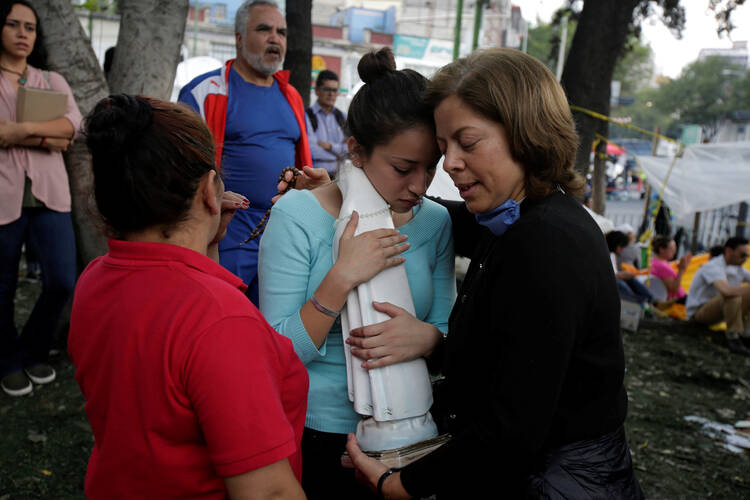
(599, 468)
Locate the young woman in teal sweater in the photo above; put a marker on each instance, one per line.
(393, 141)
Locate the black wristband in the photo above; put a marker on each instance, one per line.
(381, 481)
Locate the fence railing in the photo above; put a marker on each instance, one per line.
(714, 227)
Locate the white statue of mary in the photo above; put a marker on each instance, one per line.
(394, 400)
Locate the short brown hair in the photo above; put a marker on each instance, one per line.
(519, 92)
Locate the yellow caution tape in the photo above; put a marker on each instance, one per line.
(600, 138)
(648, 234)
(626, 125)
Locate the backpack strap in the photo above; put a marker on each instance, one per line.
(313, 118)
(340, 119)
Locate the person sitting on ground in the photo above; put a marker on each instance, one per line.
(717, 294)
(664, 251)
(189, 392)
(631, 254)
(630, 288)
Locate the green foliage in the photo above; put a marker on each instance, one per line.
(635, 68)
(642, 113)
(705, 92)
(723, 12)
(109, 6)
(739, 96)
(541, 41)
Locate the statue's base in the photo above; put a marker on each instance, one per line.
(401, 457)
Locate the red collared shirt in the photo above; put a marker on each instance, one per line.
(185, 382)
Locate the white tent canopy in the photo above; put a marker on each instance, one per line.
(708, 176)
(605, 224)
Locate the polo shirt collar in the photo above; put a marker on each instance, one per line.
(143, 251)
(318, 110)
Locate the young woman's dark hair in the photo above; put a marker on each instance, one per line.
(148, 158)
(616, 239)
(389, 102)
(38, 56)
(660, 242)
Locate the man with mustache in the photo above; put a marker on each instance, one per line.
(258, 122)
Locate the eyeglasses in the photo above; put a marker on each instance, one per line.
(329, 90)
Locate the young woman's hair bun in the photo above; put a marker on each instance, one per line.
(374, 65)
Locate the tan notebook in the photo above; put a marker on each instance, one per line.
(40, 105)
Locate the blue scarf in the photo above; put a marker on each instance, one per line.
(500, 219)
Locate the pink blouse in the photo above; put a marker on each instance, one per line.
(661, 269)
(49, 180)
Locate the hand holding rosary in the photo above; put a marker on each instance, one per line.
(290, 183)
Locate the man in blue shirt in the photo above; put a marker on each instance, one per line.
(326, 124)
(257, 120)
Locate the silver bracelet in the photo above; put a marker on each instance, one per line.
(320, 307)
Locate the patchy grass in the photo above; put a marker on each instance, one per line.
(45, 440)
(673, 370)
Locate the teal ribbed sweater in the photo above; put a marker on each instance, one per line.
(295, 255)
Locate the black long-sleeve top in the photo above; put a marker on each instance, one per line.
(533, 358)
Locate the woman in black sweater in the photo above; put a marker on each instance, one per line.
(533, 362)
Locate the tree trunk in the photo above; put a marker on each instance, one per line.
(597, 44)
(71, 55)
(148, 46)
(299, 46)
(599, 179)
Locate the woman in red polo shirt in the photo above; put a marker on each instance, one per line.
(189, 392)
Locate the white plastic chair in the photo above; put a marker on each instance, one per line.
(655, 286)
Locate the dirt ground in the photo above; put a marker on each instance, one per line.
(674, 370)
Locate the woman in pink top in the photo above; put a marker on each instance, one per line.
(664, 251)
(34, 200)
